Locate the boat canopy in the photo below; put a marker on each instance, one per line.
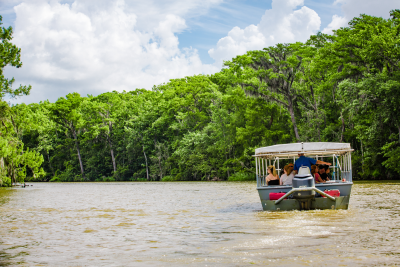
(309, 149)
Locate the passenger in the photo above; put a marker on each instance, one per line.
(287, 177)
(328, 173)
(291, 165)
(272, 178)
(314, 172)
(304, 161)
(323, 172)
(282, 172)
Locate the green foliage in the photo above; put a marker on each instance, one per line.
(15, 161)
(108, 179)
(55, 179)
(343, 87)
(242, 176)
(168, 178)
(392, 153)
(10, 55)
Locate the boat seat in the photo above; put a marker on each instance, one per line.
(275, 196)
(304, 170)
(333, 193)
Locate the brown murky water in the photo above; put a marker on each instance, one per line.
(202, 224)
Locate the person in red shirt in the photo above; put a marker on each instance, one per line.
(314, 172)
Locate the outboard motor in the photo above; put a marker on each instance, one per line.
(304, 197)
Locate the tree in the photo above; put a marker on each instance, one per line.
(14, 160)
(270, 74)
(365, 70)
(100, 114)
(65, 112)
(10, 54)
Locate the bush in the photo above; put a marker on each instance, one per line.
(168, 178)
(5, 181)
(67, 176)
(138, 175)
(108, 179)
(242, 176)
(55, 179)
(178, 177)
(139, 179)
(78, 178)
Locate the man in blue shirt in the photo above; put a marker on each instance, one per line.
(304, 161)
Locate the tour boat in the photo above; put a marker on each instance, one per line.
(304, 193)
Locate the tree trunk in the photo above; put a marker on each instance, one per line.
(227, 167)
(159, 157)
(51, 167)
(318, 129)
(13, 180)
(79, 152)
(341, 137)
(398, 128)
(147, 169)
(362, 157)
(111, 147)
(316, 115)
(112, 155)
(159, 165)
(291, 111)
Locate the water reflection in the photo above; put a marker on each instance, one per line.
(213, 224)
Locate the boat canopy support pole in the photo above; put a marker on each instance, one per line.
(350, 171)
(258, 180)
(278, 165)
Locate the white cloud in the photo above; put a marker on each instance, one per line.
(281, 24)
(96, 46)
(335, 24)
(353, 8)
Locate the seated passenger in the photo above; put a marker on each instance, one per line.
(304, 161)
(287, 177)
(272, 178)
(291, 166)
(314, 172)
(328, 173)
(323, 172)
(282, 172)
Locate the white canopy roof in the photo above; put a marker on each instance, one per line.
(315, 148)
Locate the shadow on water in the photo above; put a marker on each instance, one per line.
(5, 194)
(6, 259)
(242, 208)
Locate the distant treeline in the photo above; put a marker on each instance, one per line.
(343, 87)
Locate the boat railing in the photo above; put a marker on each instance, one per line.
(341, 167)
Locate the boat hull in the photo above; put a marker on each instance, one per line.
(341, 202)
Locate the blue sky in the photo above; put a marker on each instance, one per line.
(205, 30)
(94, 46)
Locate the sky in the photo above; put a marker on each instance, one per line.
(96, 46)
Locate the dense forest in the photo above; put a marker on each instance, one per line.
(343, 87)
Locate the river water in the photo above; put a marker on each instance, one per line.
(197, 223)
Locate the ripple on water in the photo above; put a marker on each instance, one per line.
(128, 224)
